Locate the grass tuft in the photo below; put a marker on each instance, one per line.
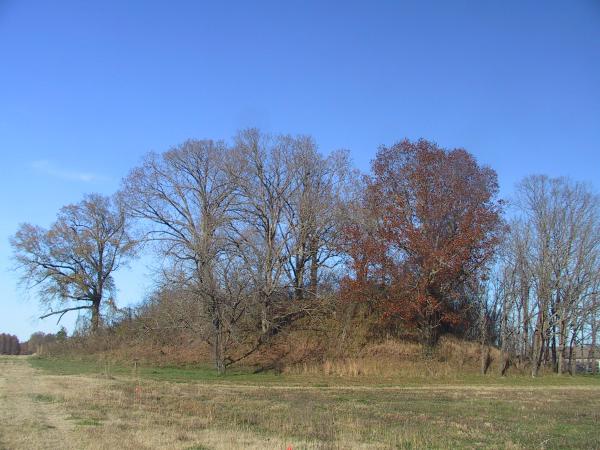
(43, 398)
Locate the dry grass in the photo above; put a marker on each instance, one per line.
(95, 411)
(402, 359)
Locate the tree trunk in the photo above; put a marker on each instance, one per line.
(538, 351)
(592, 354)
(299, 277)
(570, 354)
(505, 364)
(486, 358)
(95, 314)
(314, 272)
(264, 318)
(505, 359)
(525, 344)
(562, 348)
(555, 360)
(483, 335)
(592, 350)
(539, 338)
(430, 333)
(218, 346)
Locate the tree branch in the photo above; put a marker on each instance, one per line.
(62, 312)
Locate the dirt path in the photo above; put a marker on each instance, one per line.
(28, 416)
(41, 411)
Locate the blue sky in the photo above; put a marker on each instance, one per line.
(86, 88)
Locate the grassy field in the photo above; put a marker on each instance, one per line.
(47, 403)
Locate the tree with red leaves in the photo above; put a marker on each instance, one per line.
(431, 221)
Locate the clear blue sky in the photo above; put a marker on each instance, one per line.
(86, 88)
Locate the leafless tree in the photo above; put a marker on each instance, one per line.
(284, 231)
(261, 171)
(71, 264)
(554, 261)
(593, 324)
(488, 295)
(312, 214)
(246, 231)
(185, 199)
(517, 290)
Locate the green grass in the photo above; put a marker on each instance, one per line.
(66, 366)
(205, 374)
(85, 420)
(88, 423)
(43, 398)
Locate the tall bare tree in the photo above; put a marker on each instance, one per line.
(556, 260)
(185, 199)
(261, 171)
(71, 264)
(312, 214)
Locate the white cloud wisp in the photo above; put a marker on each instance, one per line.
(48, 168)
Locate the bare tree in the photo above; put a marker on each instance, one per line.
(556, 260)
(312, 214)
(261, 171)
(593, 325)
(185, 198)
(517, 280)
(283, 233)
(71, 264)
(242, 230)
(488, 294)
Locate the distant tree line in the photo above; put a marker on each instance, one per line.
(9, 345)
(38, 342)
(259, 235)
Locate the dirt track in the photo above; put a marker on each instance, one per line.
(26, 420)
(41, 411)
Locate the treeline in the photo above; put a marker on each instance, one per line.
(38, 342)
(267, 235)
(9, 345)
(549, 274)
